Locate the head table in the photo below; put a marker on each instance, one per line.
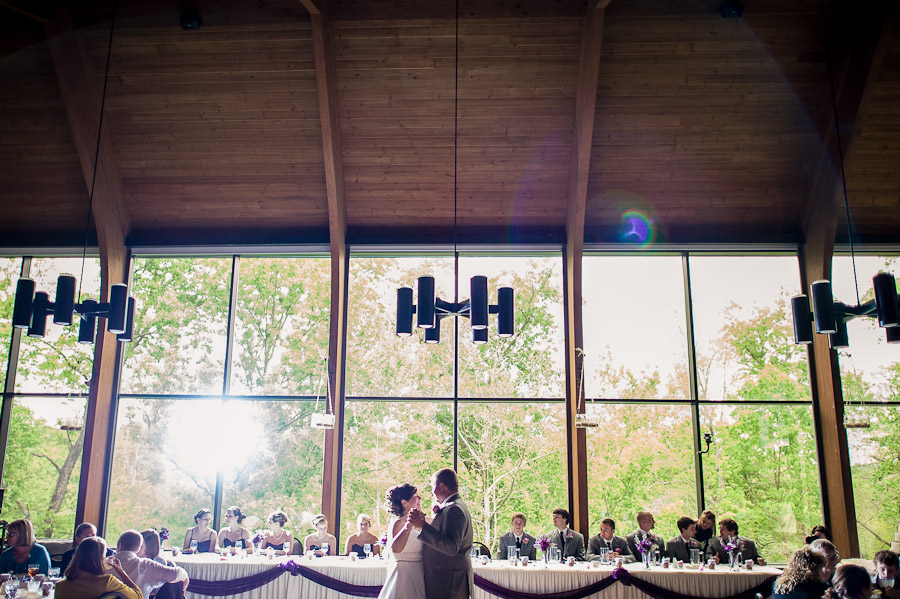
(340, 577)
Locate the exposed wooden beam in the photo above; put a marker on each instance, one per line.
(580, 160)
(24, 12)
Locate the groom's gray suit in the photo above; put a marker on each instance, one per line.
(447, 542)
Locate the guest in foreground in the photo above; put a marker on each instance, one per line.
(87, 575)
(202, 533)
(646, 523)
(321, 542)
(518, 538)
(607, 541)
(82, 531)
(23, 549)
(886, 568)
(818, 532)
(850, 582)
(146, 573)
(679, 547)
(277, 535)
(150, 547)
(827, 549)
(728, 530)
(357, 543)
(570, 543)
(803, 577)
(233, 532)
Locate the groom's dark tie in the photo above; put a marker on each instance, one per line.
(562, 542)
(518, 542)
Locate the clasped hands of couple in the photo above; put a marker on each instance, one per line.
(416, 518)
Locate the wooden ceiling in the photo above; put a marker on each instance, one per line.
(716, 129)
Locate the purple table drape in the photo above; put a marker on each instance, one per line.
(505, 593)
(625, 577)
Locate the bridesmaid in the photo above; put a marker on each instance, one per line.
(356, 543)
(233, 532)
(316, 541)
(277, 536)
(202, 533)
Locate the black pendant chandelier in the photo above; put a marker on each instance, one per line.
(430, 310)
(32, 307)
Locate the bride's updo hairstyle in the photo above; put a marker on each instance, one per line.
(395, 495)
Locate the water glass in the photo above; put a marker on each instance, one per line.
(287, 548)
(554, 553)
(604, 557)
(511, 554)
(239, 544)
(33, 586)
(474, 553)
(53, 572)
(367, 549)
(695, 556)
(193, 546)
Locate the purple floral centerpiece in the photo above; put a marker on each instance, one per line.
(732, 546)
(258, 538)
(645, 546)
(163, 535)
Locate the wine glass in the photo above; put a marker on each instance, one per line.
(53, 572)
(194, 546)
(367, 549)
(239, 544)
(325, 549)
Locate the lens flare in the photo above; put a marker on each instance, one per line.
(635, 228)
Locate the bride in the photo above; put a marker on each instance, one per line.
(407, 579)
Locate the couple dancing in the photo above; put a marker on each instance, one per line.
(432, 554)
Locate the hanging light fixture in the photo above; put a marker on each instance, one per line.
(32, 307)
(830, 316)
(430, 309)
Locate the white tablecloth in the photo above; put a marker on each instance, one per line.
(534, 579)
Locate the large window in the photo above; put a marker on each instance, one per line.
(9, 273)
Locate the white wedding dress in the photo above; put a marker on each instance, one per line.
(406, 579)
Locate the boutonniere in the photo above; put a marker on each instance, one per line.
(526, 540)
(618, 550)
(435, 508)
(569, 536)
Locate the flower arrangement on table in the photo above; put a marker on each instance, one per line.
(644, 545)
(258, 538)
(383, 541)
(163, 534)
(732, 544)
(543, 542)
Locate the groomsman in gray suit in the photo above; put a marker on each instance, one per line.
(680, 546)
(447, 541)
(606, 541)
(570, 543)
(646, 522)
(518, 538)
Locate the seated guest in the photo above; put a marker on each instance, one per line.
(818, 532)
(802, 578)
(146, 573)
(728, 529)
(277, 536)
(150, 547)
(357, 543)
(82, 531)
(202, 533)
(570, 543)
(518, 538)
(87, 575)
(850, 582)
(233, 532)
(23, 549)
(827, 549)
(886, 567)
(607, 541)
(706, 527)
(679, 547)
(646, 522)
(316, 541)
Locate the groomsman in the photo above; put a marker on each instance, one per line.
(570, 543)
(518, 538)
(680, 546)
(646, 523)
(728, 529)
(607, 540)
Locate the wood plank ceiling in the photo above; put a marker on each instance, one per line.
(713, 128)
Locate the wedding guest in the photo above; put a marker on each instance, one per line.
(357, 543)
(570, 543)
(827, 549)
(679, 547)
(850, 582)
(150, 547)
(706, 527)
(202, 533)
(607, 540)
(317, 540)
(82, 531)
(646, 523)
(803, 577)
(148, 574)
(518, 538)
(886, 568)
(277, 535)
(233, 532)
(87, 575)
(818, 532)
(23, 549)
(728, 530)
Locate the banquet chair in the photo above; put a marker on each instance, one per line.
(482, 549)
(112, 595)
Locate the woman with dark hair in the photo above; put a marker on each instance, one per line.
(850, 582)
(150, 547)
(803, 577)
(818, 532)
(407, 579)
(23, 549)
(233, 532)
(202, 534)
(277, 535)
(321, 542)
(87, 575)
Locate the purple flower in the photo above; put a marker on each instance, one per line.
(384, 540)
(543, 542)
(644, 545)
(732, 544)
(258, 538)
(163, 533)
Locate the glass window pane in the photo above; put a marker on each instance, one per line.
(634, 327)
(179, 326)
(379, 363)
(743, 328)
(58, 363)
(43, 463)
(762, 472)
(531, 363)
(512, 458)
(640, 457)
(281, 330)
(10, 268)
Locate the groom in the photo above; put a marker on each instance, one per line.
(447, 541)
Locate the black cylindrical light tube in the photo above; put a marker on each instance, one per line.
(840, 338)
(404, 311)
(892, 334)
(24, 300)
(505, 316)
(478, 302)
(129, 322)
(823, 307)
(479, 336)
(118, 307)
(40, 311)
(64, 306)
(425, 308)
(88, 326)
(803, 333)
(886, 300)
(433, 335)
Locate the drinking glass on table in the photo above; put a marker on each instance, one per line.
(194, 545)
(33, 570)
(239, 544)
(605, 557)
(53, 572)
(367, 549)
(695, 556)
(511, 554)
(324, 549)
(286, 547)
